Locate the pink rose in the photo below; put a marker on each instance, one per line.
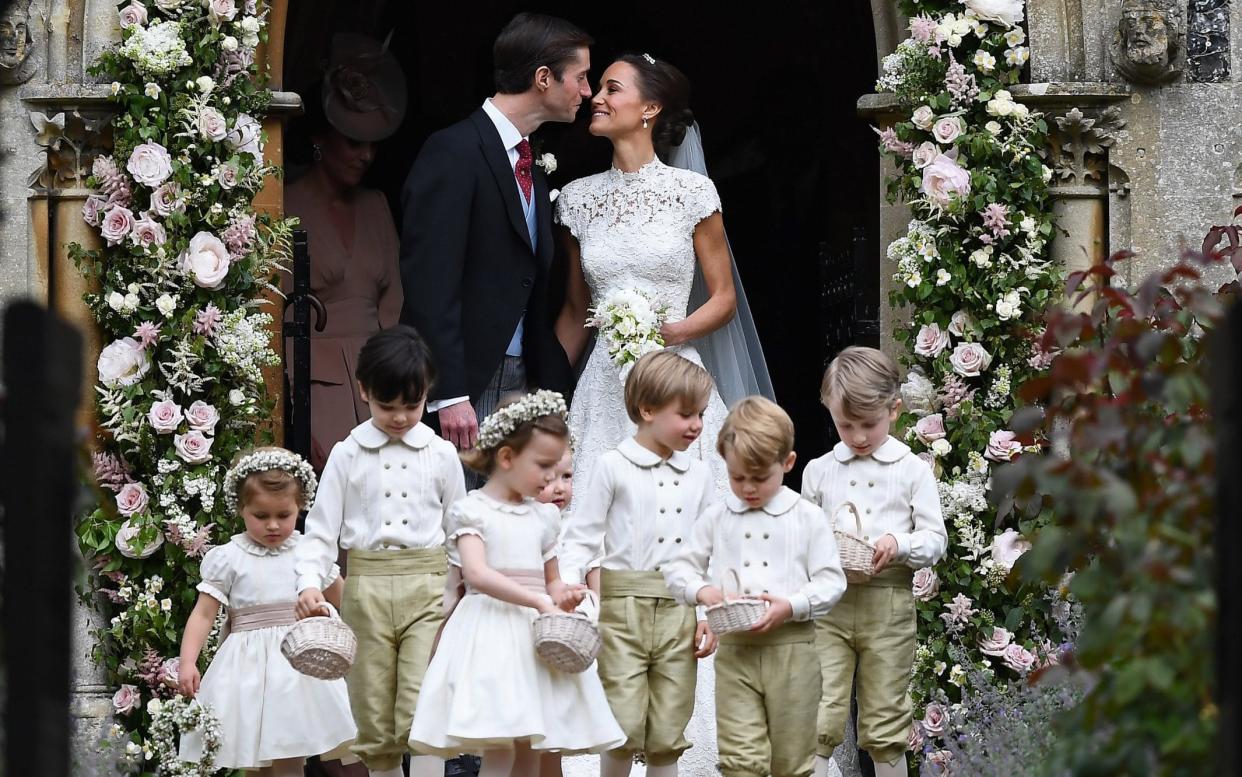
(206, 261)
(227, 176)
(193, 447)
(969, 359)
(923, 117)
(117, 223)
(148, 232)
(924, 154)
(133, 15)
(947, 129)
(928, 458)
(930, 428)
(220, 10)
(1008, 547)
(166, 200)
(211, 124)
(931, 341)
(995, 644)
(941, 762)
(926, 584)
(92, 209)
(943, 180)
(131, 499)
(149, 164)
(169, 672)
(126, 699)
(1018, 658)
(1002, 446)
(914, 740)
(935, 720)
(165, 416)
(202, 417)
(128, 533)
(960, 323)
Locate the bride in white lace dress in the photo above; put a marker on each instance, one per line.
(644, 225)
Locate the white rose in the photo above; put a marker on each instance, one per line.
(941, 448)
(931, 341)
(960, 323)
(250, 24)
(982, 257)
(133, 15)
(206, 261)
(237, 397)
(947, 129)
(228, 43)
(1006, 12)
(246, 137)
(1008, 547)
(969, 359)
(193, 447)
(126, 535)
(1046, 173)
(150, 164)
(116, 301)
(993, 127)
(1020, 111)
(923, 117)
(165, 416)
(205, 84)
(122, 363)
(166, 304)
(1027, 224)
(1009, 306)
(211, 124)
(924, 154)
(548, 163)
(131, 302)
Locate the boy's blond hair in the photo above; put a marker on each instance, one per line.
(758, 432)
(864, 380)
(662, 377)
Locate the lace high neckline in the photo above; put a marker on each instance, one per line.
(636, 174)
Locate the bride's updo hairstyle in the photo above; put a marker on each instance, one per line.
(660, 82)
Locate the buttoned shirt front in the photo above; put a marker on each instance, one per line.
(379, 494)
(783, 548)
(636, 512)
(894, 491)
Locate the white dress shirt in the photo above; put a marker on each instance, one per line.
(784, 548)
(636, 512)
(510, 136)
(894, 491)
(378, 493)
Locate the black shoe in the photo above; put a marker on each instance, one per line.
(463, 766)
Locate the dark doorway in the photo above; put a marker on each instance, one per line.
(774, 92)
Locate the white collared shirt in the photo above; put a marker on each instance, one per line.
(636, 512)
(510, 135)
(783, 548)
(378, 493)
(894, 491)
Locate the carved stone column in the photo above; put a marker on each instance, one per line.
(1078, 156)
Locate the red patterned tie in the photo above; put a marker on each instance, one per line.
(522, 169)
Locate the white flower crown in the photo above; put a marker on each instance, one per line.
(502, 423)
(264, 461)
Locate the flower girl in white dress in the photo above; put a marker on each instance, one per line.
(271, 716)
(486, 692)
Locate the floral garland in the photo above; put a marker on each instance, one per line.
(181, 715)
(973, 272)
(180, 281)
(497, 427)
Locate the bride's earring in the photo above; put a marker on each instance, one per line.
(644, 122)
(316, 154)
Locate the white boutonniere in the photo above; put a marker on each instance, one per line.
(547, 162)
(552, 195)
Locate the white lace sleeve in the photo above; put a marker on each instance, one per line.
(701, 199)
(568, 210)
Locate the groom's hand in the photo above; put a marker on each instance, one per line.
(459, 425)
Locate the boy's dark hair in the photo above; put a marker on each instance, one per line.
(396, 364)
(531, 41)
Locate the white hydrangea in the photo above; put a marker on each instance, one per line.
(157, 50)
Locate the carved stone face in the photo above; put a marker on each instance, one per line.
(1146, 35)
(14, 36)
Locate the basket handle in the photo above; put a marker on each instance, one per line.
(589, 606)
(853, 509)
(737, 585)
(332, 613)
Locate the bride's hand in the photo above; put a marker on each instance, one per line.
(671, 333)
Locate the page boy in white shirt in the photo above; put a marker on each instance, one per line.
(782, 550)
(873, 628)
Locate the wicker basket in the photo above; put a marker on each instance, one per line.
(736, 613)
(857, 554)
(569, 641)
(322, 646)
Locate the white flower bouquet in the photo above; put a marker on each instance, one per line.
(629, 326)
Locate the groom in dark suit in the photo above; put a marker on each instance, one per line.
(477, 239)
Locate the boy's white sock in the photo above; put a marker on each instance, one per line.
(822, 765)
(667, 770)
(611, 766)
(894, 768)
(426, 766)
(394, 772)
